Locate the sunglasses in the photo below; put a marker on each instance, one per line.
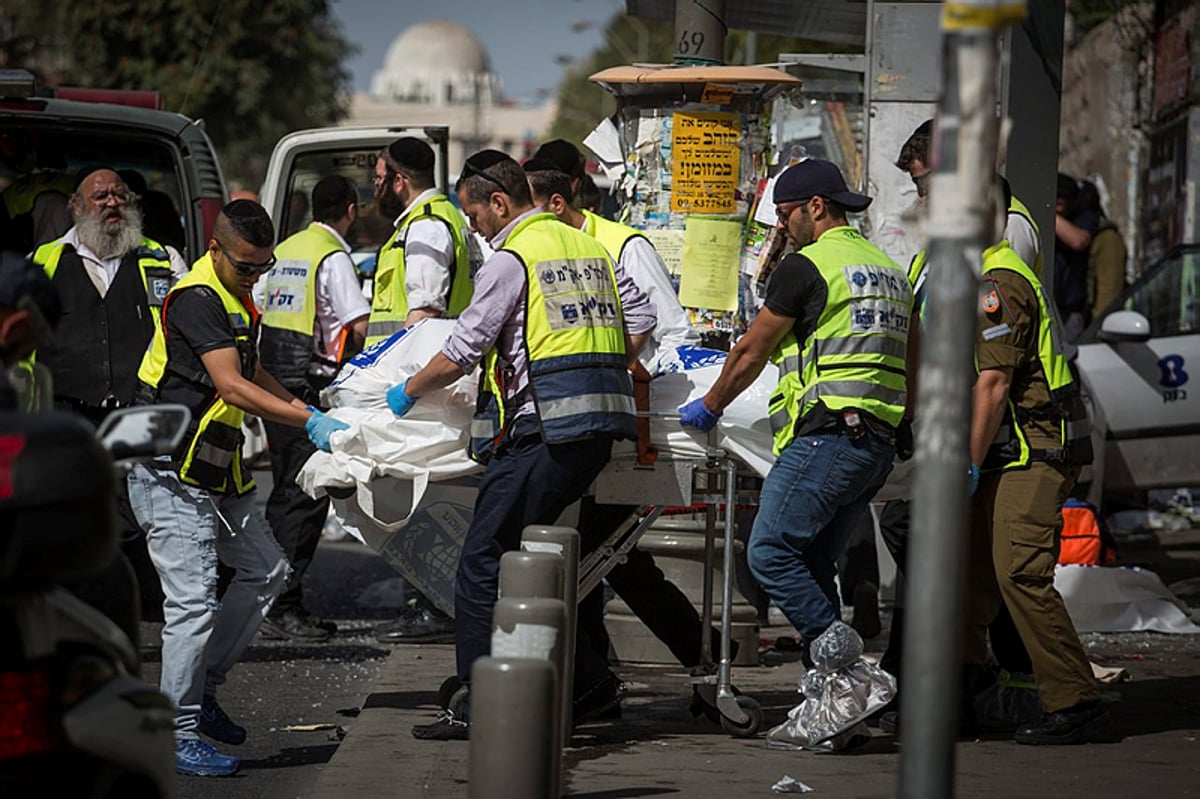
(784, 212)
(243, 267)
(471, 169)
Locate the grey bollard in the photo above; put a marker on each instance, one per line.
(561, 541)
(513, 751)
(525, 627)
(532, 574)
(541, 575)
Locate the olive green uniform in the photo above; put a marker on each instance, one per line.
(1016, 513)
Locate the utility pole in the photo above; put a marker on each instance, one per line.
(962, 218)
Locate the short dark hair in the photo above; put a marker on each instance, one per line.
(248, 221)
(917, 147)
(332, 195)
(1068, 187)
(488, 171)
(546, 180)
(589, 195)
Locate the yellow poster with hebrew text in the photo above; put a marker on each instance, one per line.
(706, 157)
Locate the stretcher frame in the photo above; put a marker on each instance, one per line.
(711, 481)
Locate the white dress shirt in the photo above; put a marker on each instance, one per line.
(644, 266)
(428, 257)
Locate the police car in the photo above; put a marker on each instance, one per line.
(1136, 364)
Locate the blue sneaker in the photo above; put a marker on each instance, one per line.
(216, 725)
(199, 759)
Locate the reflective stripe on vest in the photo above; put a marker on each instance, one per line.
(855, 358)
(210, 456)
(574, 342)
(917, 273)
(153, 263)
(1010, 448)
(290, 300)
(389, 302)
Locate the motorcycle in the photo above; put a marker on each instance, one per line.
(75, 718)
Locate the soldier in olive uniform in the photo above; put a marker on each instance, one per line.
(1029, 435)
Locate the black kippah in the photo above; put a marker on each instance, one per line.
(564, 154)
(412, 153)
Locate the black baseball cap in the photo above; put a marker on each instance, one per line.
(815, 177)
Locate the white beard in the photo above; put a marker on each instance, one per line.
(105, 245)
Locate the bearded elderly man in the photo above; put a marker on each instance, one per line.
(111, 281)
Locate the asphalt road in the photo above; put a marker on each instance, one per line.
(295, 700)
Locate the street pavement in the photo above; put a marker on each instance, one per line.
(333, 719)
(657, 748)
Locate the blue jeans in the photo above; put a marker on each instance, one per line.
(203, 636)
(811, 499)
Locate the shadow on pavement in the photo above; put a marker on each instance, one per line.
(1151, 706)
(623, 793)
(402, 700)
(297, 756)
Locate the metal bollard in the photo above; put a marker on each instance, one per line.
(562, 541)
(525, 627)
(542, 575)
(513, 749)
(532, 574)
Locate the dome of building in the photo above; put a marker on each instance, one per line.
(437, 63)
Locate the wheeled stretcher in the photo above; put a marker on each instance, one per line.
(711, 481)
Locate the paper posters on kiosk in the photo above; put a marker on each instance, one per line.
(711, 254)
(705, 159)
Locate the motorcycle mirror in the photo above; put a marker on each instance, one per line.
(144, 431)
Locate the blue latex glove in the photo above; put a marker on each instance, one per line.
(974, 480)
(320, 427)
(696, 415)
(398, 399)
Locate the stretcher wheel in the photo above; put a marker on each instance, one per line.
(448, 689)
(751, 726)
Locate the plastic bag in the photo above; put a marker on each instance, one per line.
(840, 691)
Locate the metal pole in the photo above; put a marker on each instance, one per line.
(513, 741)
(562, 541)
(961, 225)
(700, 32)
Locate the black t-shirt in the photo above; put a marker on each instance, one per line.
(797, 290)
(196, 322)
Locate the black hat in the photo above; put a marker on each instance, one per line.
(815, 177)
(536, 164)
(564, 155)
(412, 153)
